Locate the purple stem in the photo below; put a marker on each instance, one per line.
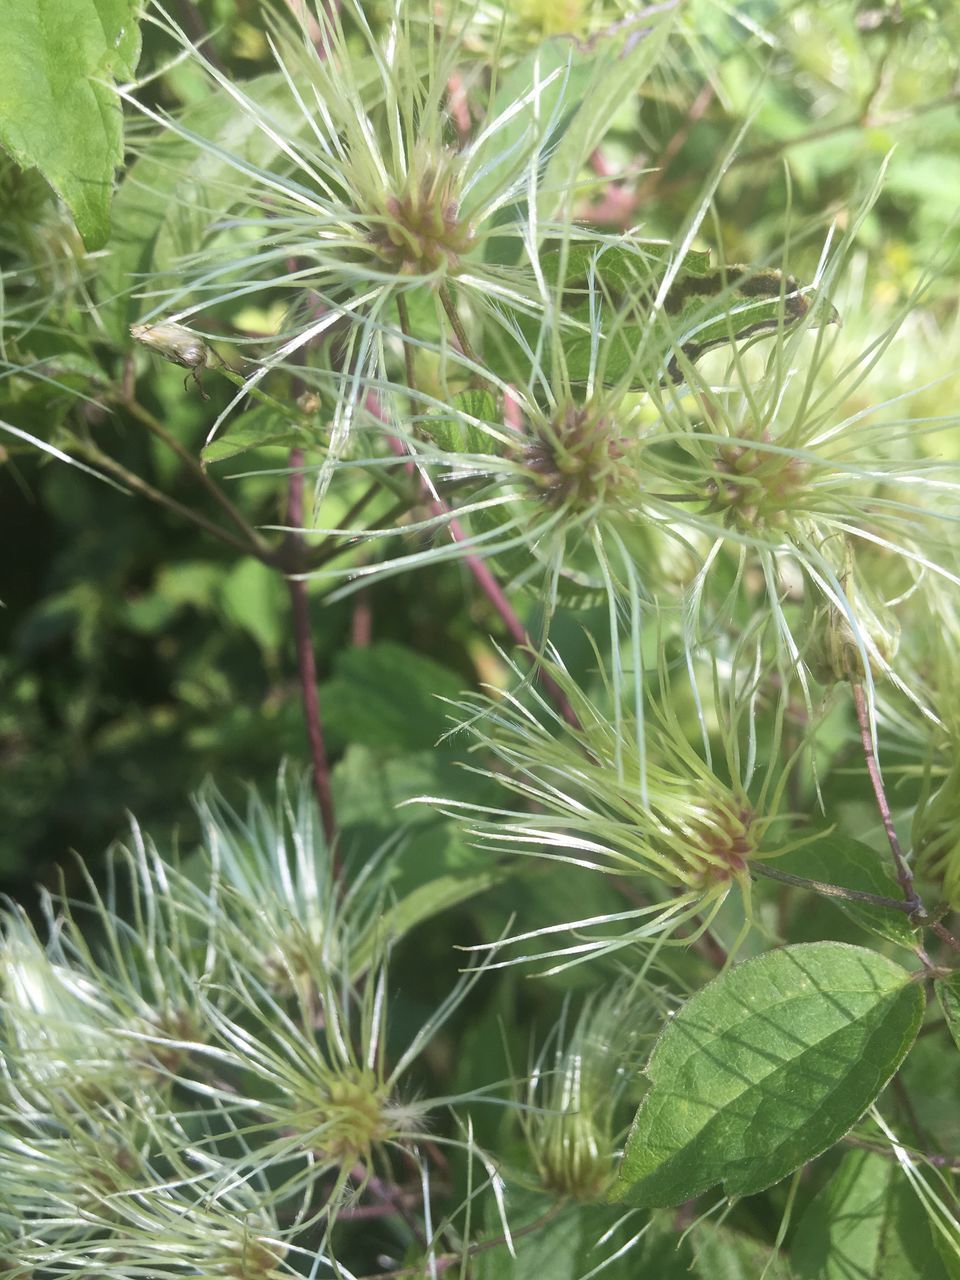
(306, 663)
(485, 580)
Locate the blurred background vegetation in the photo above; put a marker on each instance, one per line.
(138, 656)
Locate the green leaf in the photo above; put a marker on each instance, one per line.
(550, 1251)
(371, 785)
(722, 1254)
(582, 1239)
(253, 430)
(460, 434)
(766, 1067)
(867, 1224)
(503, 156)
(948, 996)
(640, 342)
(254, 598)
(58, 110)
(836, 859)
(372, 790)
(387, 695)
(573, 1240)
(192, 582)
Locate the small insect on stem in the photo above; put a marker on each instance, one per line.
(179, 346)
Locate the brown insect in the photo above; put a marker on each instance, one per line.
(179, 346)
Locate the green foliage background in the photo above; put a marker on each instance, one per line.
(138, 656)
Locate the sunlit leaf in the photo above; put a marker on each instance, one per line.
(867, 1224)
(58, 111)
(765, 1068)
(948, 996)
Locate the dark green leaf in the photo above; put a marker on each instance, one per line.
(371, 792)
(387, 695)
(58, 111)
(765, 1068)
(617, 75)
(572, 1241)
(438, 894)
(722, 1254)
(838, 860)
(253, 597)
(168, 199)
(618, 285)
(503, 157)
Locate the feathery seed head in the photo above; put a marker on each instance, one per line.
(576, 458)
(576, 1086)
(756, 490)
(417, 229)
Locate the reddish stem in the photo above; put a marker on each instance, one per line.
(361, 622)
(485, 580)
(904, 874)
(306, 663)
(458, 106)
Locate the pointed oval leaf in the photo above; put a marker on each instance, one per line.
(188, 178)
(618, 74)
(616, 286)
(255, 429)
(534, 104)
(427, 900)
(461, 432)
(58, 111)
(765, 1068)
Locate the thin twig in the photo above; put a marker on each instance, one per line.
(458, 105)
(138, 485)
(491, 588)
(904, 874)
(296, 417)
(195, 29)
(481, 572)
(944, 934)
(393, 1199)
(891, 1153)
(306, 663)
(404, 316)
(772, 150)
(695, 111)
(154, 425)
(332, 545)
(839, 891)
(858, 121)
(361, 621)
(923, 1138)
(446, 298)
